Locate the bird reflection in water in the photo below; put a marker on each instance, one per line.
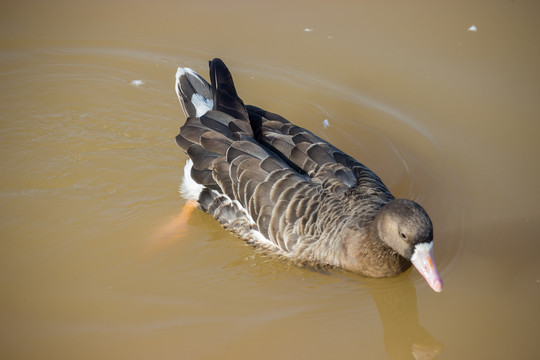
(404, 337)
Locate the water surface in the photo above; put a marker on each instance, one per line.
(90, 174)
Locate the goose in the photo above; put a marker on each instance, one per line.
(284, 189)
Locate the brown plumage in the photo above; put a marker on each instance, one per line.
(280, 186)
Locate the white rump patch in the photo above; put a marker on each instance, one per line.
(189, 189)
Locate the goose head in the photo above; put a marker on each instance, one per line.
(405, 227)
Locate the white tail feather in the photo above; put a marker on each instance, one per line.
(201, 104)
(189, 189)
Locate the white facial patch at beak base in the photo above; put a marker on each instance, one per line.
(422, 259)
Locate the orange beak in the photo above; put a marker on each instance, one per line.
(422, 260)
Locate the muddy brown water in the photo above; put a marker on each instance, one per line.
(447, 116)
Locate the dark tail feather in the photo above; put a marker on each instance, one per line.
(225, 97)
